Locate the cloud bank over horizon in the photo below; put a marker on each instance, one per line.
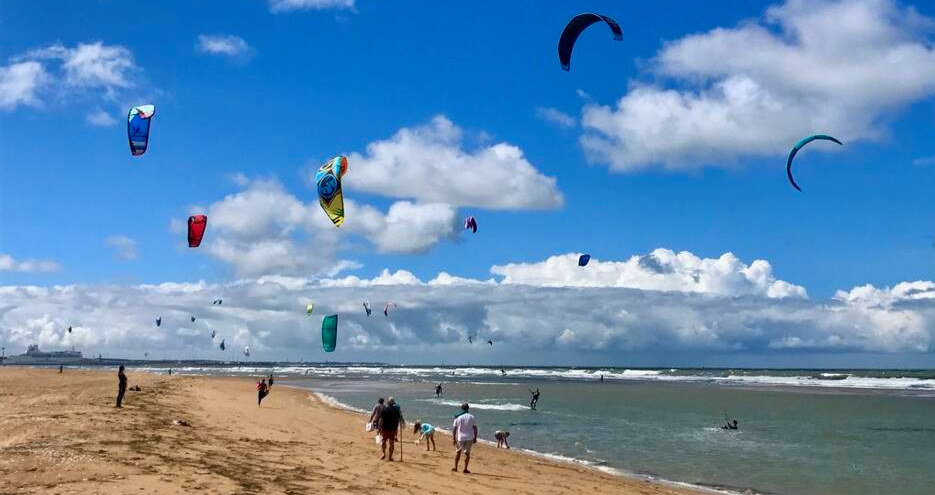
(644, 304)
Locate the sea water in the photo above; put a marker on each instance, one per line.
(802, 432)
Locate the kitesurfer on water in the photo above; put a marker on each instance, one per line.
(730, 425)
(535, 398)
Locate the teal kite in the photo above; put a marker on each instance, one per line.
(798, 146)
(329, 333)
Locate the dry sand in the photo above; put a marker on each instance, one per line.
(60, 434)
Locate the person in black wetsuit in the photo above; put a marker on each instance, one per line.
(262, 390)
(438, 390)
(270, 380)
(121, 386)
(535, 398)
(731, 425)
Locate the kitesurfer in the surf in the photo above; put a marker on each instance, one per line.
(730, 425)
(121, 386)
(535, 398)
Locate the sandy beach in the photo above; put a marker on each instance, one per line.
(60, 434)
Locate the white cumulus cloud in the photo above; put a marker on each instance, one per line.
(266, 230)
(225, 45)
(123, 246)
(8, 263)
(429, 163)
(101, 118)
(287, 5)
(828, 66)
(555, 116)
(91, 65)
(20, 83)
(660, 270)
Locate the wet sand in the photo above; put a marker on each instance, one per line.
(60, 434)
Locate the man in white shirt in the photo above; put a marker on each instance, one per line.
(464, 436)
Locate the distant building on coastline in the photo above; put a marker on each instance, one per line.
(34, 356)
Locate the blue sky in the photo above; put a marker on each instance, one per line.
(288, 86)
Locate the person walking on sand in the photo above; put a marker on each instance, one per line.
(262, 390)
(438, 390)
(463, 436)
(121, 386)
(375, 415)
(390, 418)
(535, 398)
(270, 380)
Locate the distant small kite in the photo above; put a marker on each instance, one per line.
(470, 223)
(584, 259)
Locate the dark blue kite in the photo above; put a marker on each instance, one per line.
(574, 28)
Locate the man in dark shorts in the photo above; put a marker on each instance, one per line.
(390, 419)
(121, 386)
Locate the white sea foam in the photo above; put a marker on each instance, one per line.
(475, 405)
(485, 375)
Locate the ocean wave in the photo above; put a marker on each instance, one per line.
(477, 405)
(494, 376)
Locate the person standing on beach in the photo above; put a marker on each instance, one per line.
(61, 368)
(390, 418)
(270, 380)
(262, 390)
(121, 386)
(463, 436)
(438, 390)
(535, 399)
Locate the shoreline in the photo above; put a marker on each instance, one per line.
(808, 381)
(334, 403)
(61, 434)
